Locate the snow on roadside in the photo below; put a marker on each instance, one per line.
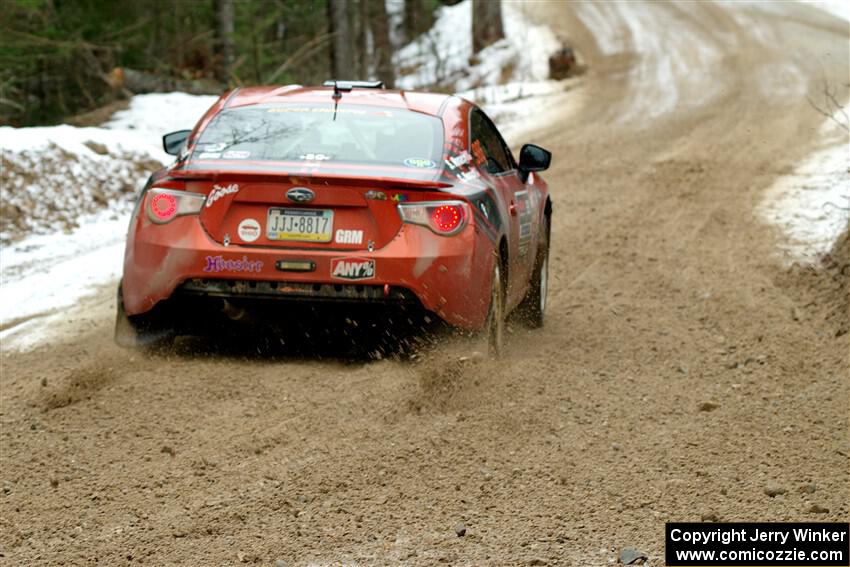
(43, 274)
(70, 191)
(838, 8)
(443, 55)
(812, 204)
(51, 176)
(48, 190)
(151, 116)
(509, 79)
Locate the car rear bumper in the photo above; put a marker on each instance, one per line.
(447, 275)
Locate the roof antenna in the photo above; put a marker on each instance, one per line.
(336, 96)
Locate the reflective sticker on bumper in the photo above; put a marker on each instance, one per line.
(353, 268)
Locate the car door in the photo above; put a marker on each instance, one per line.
(498, 166)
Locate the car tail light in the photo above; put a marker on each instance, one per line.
(166, 204)
(442, 217)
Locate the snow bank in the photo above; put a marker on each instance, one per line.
(151, 116)
(55, 175)
(840, 8)
(509, 78)
(812, 204)
(66, 196)
(44, 274)
(443, 56)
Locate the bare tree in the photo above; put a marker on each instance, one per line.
(829, 105)
(486, 23)
(341, 62)
(224, 39)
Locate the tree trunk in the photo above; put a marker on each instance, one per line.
(224, 39)
(360, 35)
(341, 63)
(486, 23)
(411, 23)
(379, 24)
(177, 59)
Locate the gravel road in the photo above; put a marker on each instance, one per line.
(682, 375)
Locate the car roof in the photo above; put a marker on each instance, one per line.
(428, 103)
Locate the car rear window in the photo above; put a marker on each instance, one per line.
(350, 133)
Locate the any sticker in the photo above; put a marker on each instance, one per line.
(218, 192)
(419, 162)
(353, 268)
(344, 236)
(219, 264)
(212, 147)
(235, 154)
(248, 230)
(210, 155)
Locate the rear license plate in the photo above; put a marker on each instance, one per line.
(306, 225)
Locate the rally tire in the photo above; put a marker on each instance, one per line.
(494, 329)
(532, 309)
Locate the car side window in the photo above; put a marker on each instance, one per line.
(487, 146)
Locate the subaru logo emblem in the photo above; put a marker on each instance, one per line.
(300, 195)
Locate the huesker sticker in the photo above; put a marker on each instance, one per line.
(248, 230)
(221, 264)
(353, 268)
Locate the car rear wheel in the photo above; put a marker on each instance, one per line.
(533, 306)
(494, 329)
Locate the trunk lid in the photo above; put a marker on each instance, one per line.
(304, 213)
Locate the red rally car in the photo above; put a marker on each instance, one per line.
(347, 192)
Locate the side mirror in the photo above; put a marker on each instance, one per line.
(534, 158)
(172, 142)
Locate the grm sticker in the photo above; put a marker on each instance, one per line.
(235, 154)
(344, 236)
